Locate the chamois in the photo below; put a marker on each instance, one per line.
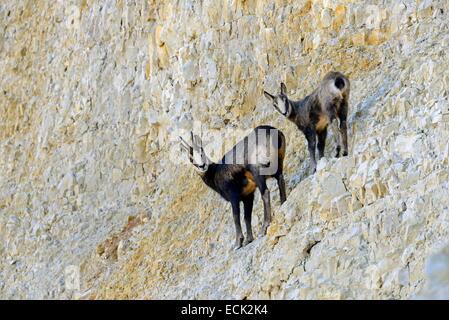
(244, 168)
(313, 113)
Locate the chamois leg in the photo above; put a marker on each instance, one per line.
(321, 142)
(343, 129)
(248, 209)
(281, 184)
(238, 228)
(311, 143)
(344, 137)
(335, 126)
(265, 193)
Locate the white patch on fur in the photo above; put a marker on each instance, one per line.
(201, 171)
(282, 106)
(334, 90)
(198, 161)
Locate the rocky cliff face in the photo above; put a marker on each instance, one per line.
(93, 94)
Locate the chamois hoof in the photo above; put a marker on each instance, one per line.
(337, 155)
(345, 153)
(238, 244)
(248, 241)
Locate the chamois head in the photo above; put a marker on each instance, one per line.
(280, 101)
(196, 153)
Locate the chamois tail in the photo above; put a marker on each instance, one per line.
(339, 83)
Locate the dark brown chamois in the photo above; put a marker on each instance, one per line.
(314, 113)
(258, 156)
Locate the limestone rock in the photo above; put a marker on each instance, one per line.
(95, 94)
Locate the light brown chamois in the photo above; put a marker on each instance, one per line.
(242, 170)
(315, 112)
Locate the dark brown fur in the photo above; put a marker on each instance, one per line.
(237, 182)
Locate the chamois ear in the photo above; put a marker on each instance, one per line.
(184, 144)
(187, 148)
(196, 140)
(268, 96)
(283, 88)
